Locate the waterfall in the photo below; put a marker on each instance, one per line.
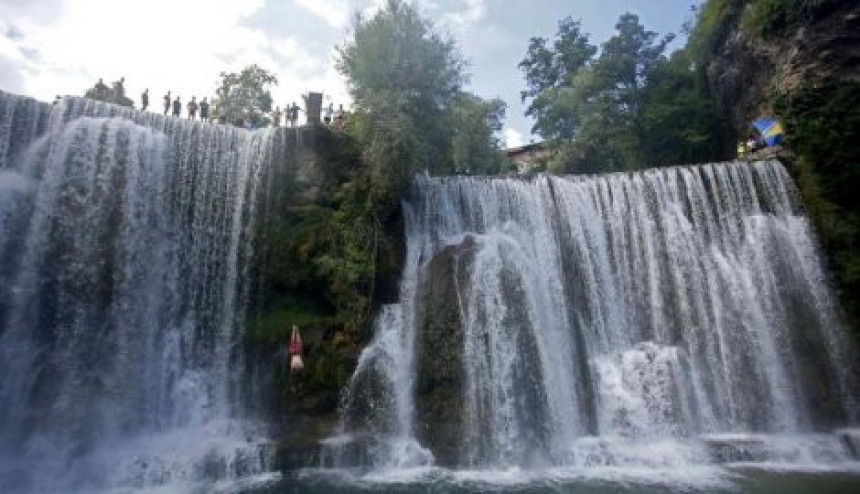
(670, 317)
(655, 318)
(125, 241)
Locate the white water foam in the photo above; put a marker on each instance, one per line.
(672, 319)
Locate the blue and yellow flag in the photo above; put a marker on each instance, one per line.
(771, 130)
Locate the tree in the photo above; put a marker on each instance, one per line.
(592, 108)
(403, 77)
(474, 123)
(245, 96)
(680, 118)
(549, 73)
(624, 70)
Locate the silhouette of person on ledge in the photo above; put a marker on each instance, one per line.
(192, 108)
(204, 110)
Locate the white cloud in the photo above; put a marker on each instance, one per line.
(473, 12)
(513, 138)
(8, 47)
(334, 12)
(162, 45)
(292, 84)
(182, 46)
(371, 7)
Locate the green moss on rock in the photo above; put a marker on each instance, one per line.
(440, 382)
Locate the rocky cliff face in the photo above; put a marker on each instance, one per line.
(749, 67)
(441, 380)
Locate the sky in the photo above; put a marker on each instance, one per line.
(60, 47)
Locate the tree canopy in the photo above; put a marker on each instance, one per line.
(474, 124)
(622, 107)
(410, 114)
(402, 76)
(549, 72)
(245, 96)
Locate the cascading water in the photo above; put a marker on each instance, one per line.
(677, 316)
(125, 239)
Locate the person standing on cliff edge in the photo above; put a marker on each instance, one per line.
(144, 100)
(177, 107)
(204, 110)
(192, 108)
(167, 102)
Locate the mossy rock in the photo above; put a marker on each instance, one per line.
(440, 377)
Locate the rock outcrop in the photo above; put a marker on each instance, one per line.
(440, 379)
(748, 68)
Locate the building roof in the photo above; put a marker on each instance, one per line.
(528, 148)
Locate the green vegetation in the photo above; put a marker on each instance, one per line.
(474, 124)
(410, 114)
(774, 18)
(715, 20)
(402, 77)
(627, 105)
(679, 115)
(320, 253)
(245, 96)
(623, 109)
(324, 252)
(822, 123)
